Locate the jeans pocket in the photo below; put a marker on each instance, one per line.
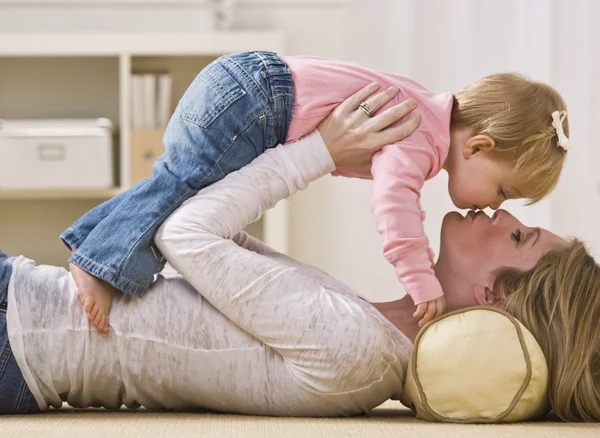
(211, 93)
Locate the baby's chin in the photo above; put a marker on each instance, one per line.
(458, 203)
(462, 205)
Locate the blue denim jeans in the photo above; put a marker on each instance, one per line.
(15, 396)
(236, 108)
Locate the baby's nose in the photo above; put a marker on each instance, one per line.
(496, 205)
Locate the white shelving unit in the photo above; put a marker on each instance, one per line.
(88, 75)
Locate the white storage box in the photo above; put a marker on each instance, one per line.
(56, 154)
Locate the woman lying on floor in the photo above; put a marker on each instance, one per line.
(252, 331)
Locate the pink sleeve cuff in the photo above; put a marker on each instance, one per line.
(423, 288)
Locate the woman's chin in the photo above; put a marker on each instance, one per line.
(451, 225)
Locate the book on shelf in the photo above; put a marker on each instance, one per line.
(165, 94)
(137, 101)
(151, 100)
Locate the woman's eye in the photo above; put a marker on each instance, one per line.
(502, 193)
(516, 235)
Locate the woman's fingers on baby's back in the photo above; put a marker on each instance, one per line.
(376, 101)
(392, 134)
(393, 114)
(352, 103)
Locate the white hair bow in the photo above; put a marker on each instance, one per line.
(557, 123)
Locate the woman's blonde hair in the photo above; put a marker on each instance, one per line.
(517, 113)
(559, 302)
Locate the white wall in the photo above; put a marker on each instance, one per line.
(441, 44)
(576, 206)
(445, 45)
(312, 27)
(331, 225)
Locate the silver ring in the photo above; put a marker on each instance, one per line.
(364, 106)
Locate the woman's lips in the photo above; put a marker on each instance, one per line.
(473, 215)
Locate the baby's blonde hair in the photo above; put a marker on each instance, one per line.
(517, 113)
(559, 302)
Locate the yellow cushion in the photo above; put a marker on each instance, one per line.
(477, 365)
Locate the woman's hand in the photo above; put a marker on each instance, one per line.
(352, 137)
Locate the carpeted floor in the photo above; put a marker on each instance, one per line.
(389, 420)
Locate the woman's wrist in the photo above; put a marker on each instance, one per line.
(311, 156)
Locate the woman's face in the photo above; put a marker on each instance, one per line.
(475, 246)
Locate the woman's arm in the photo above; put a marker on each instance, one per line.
(292, 313)
(310, 326)
(228, 206)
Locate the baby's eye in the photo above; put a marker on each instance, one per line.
(516, 235)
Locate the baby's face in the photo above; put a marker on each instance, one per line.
(479, 181)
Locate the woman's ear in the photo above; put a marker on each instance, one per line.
(486, 297)
(478, 143)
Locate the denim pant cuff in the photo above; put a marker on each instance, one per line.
(107, 274)
(70, 239)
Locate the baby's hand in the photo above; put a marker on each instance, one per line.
(429, 310)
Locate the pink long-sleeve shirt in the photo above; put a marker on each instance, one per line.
(398, 171)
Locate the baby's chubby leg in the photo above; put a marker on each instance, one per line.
(222, 123)
(92, 289)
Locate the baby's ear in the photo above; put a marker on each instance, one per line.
(478, 143)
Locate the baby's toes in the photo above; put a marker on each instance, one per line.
(103, 324)
(96, 312)
(88, 303)
(97, 316)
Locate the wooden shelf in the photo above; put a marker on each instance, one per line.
(108, 2)
(90, 73)
(105, 44)
(57, 194)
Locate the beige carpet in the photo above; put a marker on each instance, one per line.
(389, 420)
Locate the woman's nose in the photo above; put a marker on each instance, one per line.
(504, 217)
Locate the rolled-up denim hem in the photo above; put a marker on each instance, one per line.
(110, 276)
(70, 239)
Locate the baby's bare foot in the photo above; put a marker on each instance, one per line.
(95, 295)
